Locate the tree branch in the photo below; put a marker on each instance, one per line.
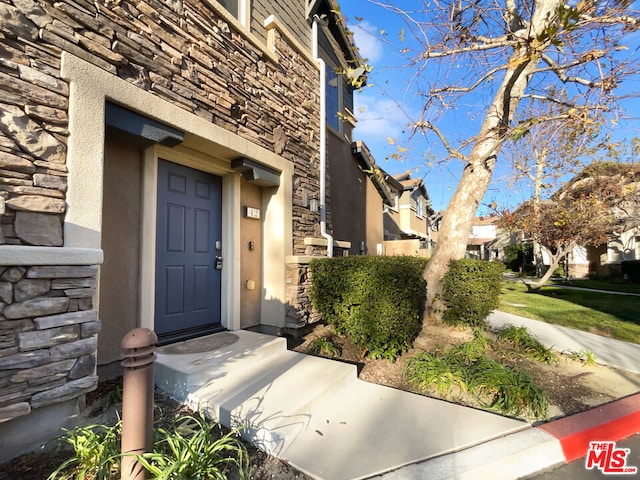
(481, 80)
(426, 125)
(559, 71)
(500, 42)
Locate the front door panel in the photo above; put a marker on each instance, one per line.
(189, 227)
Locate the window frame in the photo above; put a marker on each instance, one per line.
(330, 71)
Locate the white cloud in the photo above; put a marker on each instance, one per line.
(378, 118)
(366, 40)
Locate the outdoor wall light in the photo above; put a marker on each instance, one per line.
(313, 204)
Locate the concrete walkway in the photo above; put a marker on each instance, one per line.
(608, 351)
(315, 413)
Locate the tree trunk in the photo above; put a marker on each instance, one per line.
(456, 221)
(555, 261)
(541, 161)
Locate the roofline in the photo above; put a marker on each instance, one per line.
(315, 5)
(360, 150)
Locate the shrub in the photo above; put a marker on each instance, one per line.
(374, 301)
(471, 290)
(518, 257)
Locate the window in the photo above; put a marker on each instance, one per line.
(419, 207)
(231, 6)
(637, 252)
(237, 8)
(332, 101)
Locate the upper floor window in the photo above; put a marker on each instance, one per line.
(419, 208)
(332, 100)
(237, 8)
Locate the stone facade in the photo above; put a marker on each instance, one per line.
(182, 51)
(48, 336)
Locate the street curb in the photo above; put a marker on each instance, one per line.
(532, 450)
(610, 422)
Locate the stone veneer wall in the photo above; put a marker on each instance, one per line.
(182, 51)
(48, 336)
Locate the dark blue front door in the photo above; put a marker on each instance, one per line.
(189, 228)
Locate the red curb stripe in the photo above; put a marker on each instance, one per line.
(612, 422)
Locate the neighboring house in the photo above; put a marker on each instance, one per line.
(359, 201)
(482, 237)
(158, 165)
(407, 226)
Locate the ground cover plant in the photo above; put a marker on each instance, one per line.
(468, 368)
(604, 314)
(190, 446)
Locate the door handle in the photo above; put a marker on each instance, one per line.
(218, 263)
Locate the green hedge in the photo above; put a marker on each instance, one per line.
(375, 301)
(471, 290)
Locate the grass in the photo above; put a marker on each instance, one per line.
(613, 316)
(601, 285)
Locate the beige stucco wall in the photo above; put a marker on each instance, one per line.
(121, 220)
(250, 257)
(375, 227)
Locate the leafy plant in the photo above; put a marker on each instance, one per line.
(466, 366)
(426, 369)
(521, 339)
(585, 356)
(324, 346)
(508, 390)
(96, 453)
(187, 450)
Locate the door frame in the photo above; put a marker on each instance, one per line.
(230, 287)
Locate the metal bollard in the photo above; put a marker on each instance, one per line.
(138, 353)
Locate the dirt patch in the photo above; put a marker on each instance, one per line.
(571, 385)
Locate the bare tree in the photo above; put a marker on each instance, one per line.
(588, 210)
(512, 52)
(552, 149)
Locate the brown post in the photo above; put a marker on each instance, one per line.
(138, 347)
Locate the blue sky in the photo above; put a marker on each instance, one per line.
(386, 107)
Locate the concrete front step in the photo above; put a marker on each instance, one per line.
(315, 413)
(273, 402)
(183, 367)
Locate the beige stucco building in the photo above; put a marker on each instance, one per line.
(158, 165)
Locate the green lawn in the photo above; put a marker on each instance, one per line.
(614, 316)
(602, 285)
